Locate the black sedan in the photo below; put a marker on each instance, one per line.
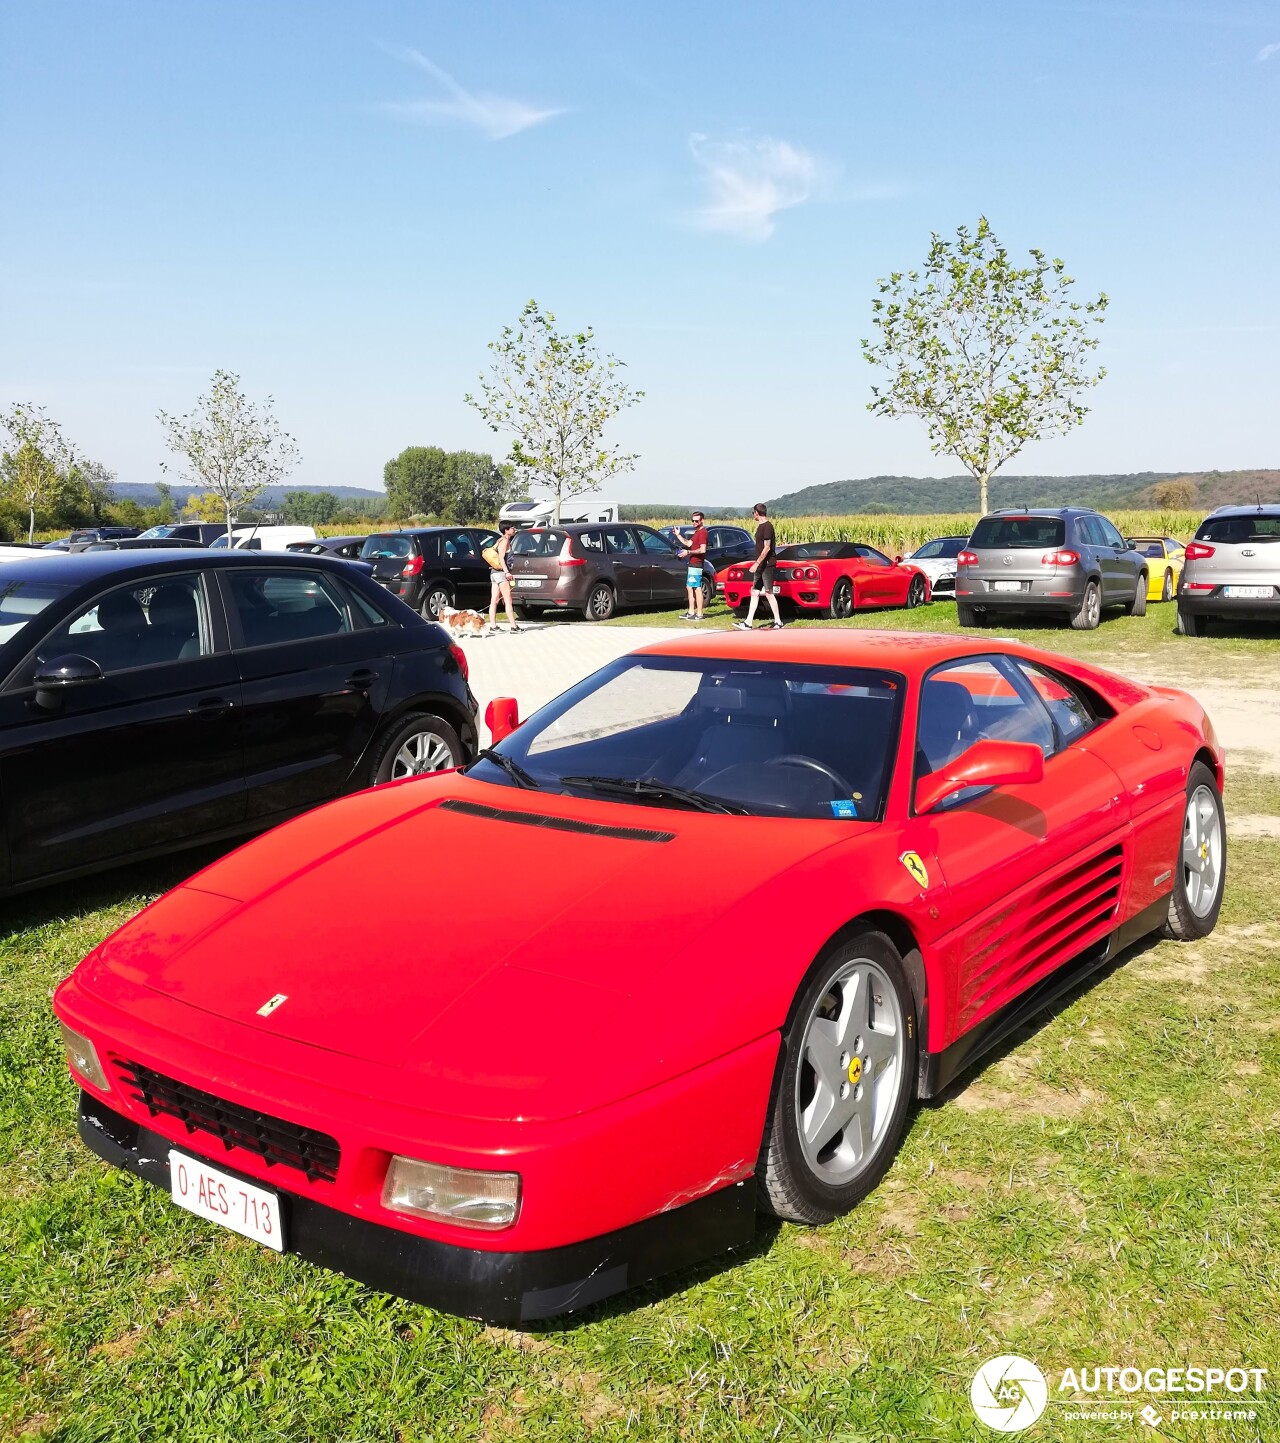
(431, 567)
(348, 547)
(151, 700)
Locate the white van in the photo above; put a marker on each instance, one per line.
(576, 508)
(265, 538)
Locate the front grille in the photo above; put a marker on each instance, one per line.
(276, 1142)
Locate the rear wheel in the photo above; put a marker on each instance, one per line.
(1087, 615)
(601, 603)
(418, 744)
(437, 598)
(915, 592)
(1188, 624)
(1200, 868)
(966, 615)
(526, 612)
(844, 1083)
(841, 606)
(1138, 606)
(1166, 591)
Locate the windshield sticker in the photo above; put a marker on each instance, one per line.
(842, 808)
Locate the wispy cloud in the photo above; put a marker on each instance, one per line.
(1268, 51)
(749, 181)
(497, 116)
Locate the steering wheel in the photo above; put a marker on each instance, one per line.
(794, 759)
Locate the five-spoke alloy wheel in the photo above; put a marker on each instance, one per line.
(1201, 865)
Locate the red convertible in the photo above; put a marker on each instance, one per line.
(519, 1110)
(836, 578)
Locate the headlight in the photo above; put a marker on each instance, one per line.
(82, 1059)
(461, 1195)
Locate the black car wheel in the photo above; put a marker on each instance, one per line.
(437, 598)
(966, 615)
(844, 1083)
(525, 611)
(842, 602)
(1087, 615)
(708, 591)
(915, 592)
(1166, 591)
(413, 747)
(601, 603)
(1138, 606)
(1188, 624)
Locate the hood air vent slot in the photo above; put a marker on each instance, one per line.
(555, 824)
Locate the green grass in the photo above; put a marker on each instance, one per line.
(1103, 1192)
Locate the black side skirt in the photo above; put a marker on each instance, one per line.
(497, 1287)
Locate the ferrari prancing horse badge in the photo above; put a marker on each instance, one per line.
(911, 861)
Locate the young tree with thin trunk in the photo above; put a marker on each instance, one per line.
(36, 460)
(556, 393)
(988, 354)
(229, 446)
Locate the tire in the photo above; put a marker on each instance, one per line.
(966, 615)
(1138, 606)
(842, 604)
(436, 596)
(1188, 624)
(1087, 615)
(432, 738)
(1200, 868)
(808, 1174)
(1166, 591)
(601, 602)
(915, 593)
(525, 612)
(708, 592)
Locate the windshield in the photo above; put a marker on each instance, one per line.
(1231, 530)
(1012, 532)
(22, 601)
(377, 548)
(947, 549)
(156, 533)
(817, 551)
(772, 738)
(1148, 546)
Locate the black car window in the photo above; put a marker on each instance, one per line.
(459, 547)
(591, 541)
(1072, 715)
(147, 624)
(876, 558)
(818, 551)
(1110, 536)
(620, 542)
(1014, 532)
(375, 548)
(285, 606)
(484, 539)
(1231, 530)
(653, 543)
(946, 548)
(1147, 546)
(1091, 532)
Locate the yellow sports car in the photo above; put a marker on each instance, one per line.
(1166, 557)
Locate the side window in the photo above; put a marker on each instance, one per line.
(1071, 714)
(459, 548)
(1090, 531)
(285, 606)
(876, 558)
(619, 541)
(485, 539)
(1110, 535)
(653, 543)
(144, 625)
(591, 541)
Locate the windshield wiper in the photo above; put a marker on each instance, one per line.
(650, 788)
(513, 769)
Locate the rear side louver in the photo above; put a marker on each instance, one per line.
(555, 824)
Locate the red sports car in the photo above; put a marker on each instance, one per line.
(524, 1107)
(834, 577)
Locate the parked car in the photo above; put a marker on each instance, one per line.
(348, 547)
(152, 700)
(144, 543)
(836, 578)
(597, 569)
(725, 545)
(517, 1122)
(63, 543)
(1070, 561)
(576, 508)
(1231, 568)
(19, 551)
(431, 567)
(1164, 564)
(204, 533)
(78, 540)
(263, 538)
(937, 559)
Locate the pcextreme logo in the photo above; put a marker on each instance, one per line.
(1008, 1393)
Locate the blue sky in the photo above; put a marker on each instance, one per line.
(345, 202)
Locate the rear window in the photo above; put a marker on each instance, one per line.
(537, 543)
(1013, 532)
(376, 547)
(1262, 526)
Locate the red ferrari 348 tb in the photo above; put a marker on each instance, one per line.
(833, 578)
(521, 1109)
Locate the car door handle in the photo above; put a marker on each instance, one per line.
(362, 678)
(212, 706)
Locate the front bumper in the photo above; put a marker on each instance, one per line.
(497, 1287)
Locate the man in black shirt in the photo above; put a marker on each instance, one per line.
(762, 571)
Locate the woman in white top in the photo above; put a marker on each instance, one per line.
(499, 576)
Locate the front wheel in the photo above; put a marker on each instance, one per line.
(1087, 615)
(1200, 868)
(841, 606)
(1138, 606)
(915, 592)
(844, 1084)
(600, 603)
(419, 744)
(434, 602)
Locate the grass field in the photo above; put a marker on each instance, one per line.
(1103, 1192)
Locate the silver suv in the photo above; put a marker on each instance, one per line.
(1232, 568)
(1068, 560)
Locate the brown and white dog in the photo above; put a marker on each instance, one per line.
(463, 623)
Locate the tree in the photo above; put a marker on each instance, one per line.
(989, 355)
(204, 507)
(476, 488)
(164, 512)
(230, 446)
(36, 461)
(415, 481)
(309, 508)
(555, 393)
(1175, 495)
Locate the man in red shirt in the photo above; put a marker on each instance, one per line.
(696, 554)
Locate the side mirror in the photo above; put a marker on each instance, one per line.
(897, 560)
(502, 717)
(1132, 544)
(62, 674)
(984, 764)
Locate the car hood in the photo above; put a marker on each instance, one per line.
(410, 924)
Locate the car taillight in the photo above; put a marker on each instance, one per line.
(967, 558)
(412, 567)
(460, 656)
(1196, 552)
(567, 558)
(811, 573)
(1060, 558)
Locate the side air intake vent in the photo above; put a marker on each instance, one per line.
(555, 824)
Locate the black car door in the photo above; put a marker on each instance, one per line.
(315, 672)
(146, 757)
(666, 569)
(466, 570)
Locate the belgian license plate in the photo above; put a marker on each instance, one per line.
(1006, 586)
(210, 1193)
(1248, 593)
(528, 581)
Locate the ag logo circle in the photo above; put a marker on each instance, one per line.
(1008, 1393)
